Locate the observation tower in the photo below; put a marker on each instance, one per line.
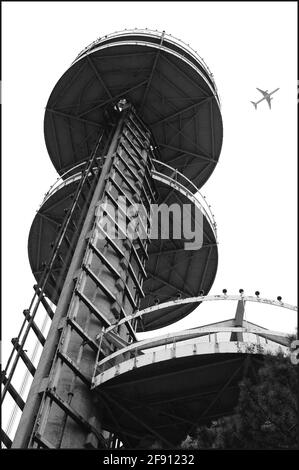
(136, 117)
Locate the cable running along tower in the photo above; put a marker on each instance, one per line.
(136, 117)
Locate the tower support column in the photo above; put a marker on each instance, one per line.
(103, 284)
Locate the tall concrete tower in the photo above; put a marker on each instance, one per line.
(136, 118)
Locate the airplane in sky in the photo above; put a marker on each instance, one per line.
(266, 96)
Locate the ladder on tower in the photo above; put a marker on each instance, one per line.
(81, 198)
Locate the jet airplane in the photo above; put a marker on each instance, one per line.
(266, 96)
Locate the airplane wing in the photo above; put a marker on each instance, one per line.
(264, 93)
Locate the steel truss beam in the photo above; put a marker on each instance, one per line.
(113, 99)
(74, 117)
(143, 100)
(97, 74)
(139, 421)
(181, 111)
(188, 153)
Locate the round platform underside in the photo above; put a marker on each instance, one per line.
(171, 397)
(171, 269)
(175, 99)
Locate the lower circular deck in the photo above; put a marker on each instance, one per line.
(167, 394)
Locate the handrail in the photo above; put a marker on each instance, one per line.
(200, 298)
(174, 170)
(157, 34)
(171, 39)
(62, 179)
(197, 194)
(197, 198)
(185, 335)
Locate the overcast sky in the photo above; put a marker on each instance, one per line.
(253, 188)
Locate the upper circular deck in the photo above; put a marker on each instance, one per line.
(169, 85)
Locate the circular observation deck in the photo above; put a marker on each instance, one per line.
(169, 85)
(172, 271)
(168, 385)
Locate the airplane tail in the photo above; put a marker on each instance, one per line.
(254, 104)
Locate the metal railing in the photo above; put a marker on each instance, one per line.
(156, 34)
(192, 340)
(171, 175)
(186, 48)
(248, 338)
(62, 181)
(203, 298)
(185, 184)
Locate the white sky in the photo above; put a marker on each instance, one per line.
(253, 189)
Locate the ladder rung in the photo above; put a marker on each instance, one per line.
(73, 366)
(24, 356)
(44, 302)
(104, 260)
(149, 186)
(98, 282)
(5, 439)
(120, 252)
(130, 170)
(83, 335)
(136, 150)
(92, 308)
(130, 296)
(146, 172)
(140, 164)
(121, 210)
(136, 282)
(11, 389)
(139, 261)
(137, 137)
(132, 245)
(140, 125)
(125, 179)
(143, 249)
(112, 243)
(120, 190)
(65, 407)
(73, 414)
(43, 442)
(35, 328)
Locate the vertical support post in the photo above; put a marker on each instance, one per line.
(238, 321)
